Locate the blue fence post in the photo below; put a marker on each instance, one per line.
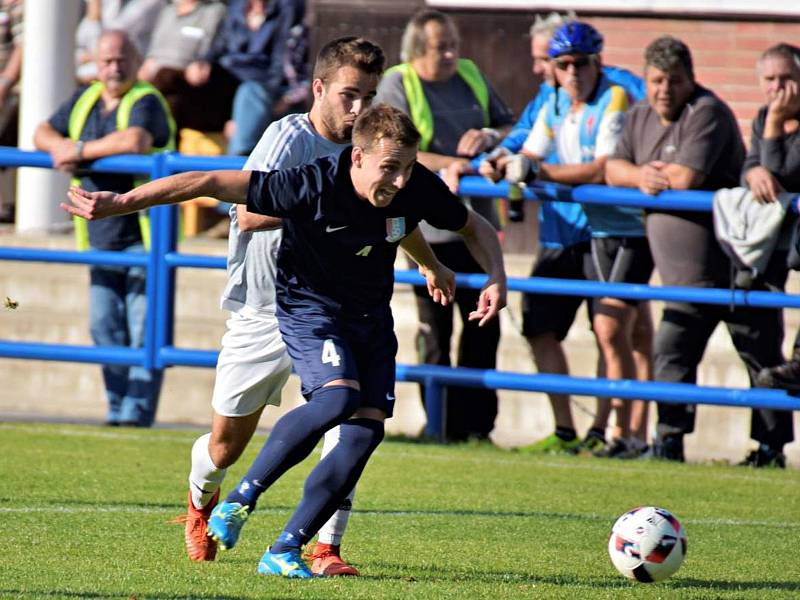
(167, 242)
(151, 288)
(434, 408)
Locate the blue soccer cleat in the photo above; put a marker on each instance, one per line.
(284, 564)
(226, 522)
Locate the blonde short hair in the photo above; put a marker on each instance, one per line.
(547, 24)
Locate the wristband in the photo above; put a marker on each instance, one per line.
(493, 134)
(79, 149)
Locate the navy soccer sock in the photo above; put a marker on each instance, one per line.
(293, 438)
(330, 481)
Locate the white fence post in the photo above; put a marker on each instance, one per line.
(48, 78)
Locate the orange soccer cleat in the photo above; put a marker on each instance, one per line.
(199, 546)
(327, 562)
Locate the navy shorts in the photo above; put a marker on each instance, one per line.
(548, 313)
(325, 346)
(621, 260)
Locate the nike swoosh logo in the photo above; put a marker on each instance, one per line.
(330, 229)
(390, 398)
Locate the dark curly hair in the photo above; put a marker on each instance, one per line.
(667, 53)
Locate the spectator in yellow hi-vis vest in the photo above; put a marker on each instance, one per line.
(458, 115)
(114, 115)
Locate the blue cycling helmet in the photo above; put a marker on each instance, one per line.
(575, 38)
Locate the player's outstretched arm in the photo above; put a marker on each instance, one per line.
(481, 240)
(441, 280)
(228, 186)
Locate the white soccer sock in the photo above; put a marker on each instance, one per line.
(332, 532)
(205, 478)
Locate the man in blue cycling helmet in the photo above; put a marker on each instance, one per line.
(575, 37)
(582, 124)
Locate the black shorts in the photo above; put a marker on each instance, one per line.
(621, 260)
(548, 313)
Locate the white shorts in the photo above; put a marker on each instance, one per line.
(253, 366)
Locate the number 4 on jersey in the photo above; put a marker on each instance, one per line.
(329, 354)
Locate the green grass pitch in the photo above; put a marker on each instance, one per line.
(85, 511)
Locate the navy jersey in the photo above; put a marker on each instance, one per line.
(338, 249)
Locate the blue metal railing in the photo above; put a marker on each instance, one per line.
(159, 352)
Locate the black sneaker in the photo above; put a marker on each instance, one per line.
(764, 457)
(615, 449)
(636, 449)
(783, 377)
(593, 442)
(669, 447)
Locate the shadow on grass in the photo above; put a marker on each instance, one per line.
(180, 507)
(11, 593)
(434, 575)
(441, 575)
(789, 586)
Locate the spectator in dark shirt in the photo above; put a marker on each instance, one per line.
(115, 115)
(245, 65)
(773, 164)
(684, 137)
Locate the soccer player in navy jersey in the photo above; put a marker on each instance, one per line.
(343, 218)
(253, 364)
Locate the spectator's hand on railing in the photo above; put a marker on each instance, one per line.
(763, 184)
(65, 154)
(93, 205)
(198, 73)
(453, 173)
(441, 283)
(490, 167)
(475, 141)
(491, 299)
(652, 179)
(518, 169)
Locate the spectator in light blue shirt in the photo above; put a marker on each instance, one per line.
(565, 251)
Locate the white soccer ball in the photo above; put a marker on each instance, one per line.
(647, 544)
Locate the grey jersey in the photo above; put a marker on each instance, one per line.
(288, 142)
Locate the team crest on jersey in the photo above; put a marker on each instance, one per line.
(395, 229)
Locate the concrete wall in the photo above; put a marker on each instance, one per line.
(52, 308)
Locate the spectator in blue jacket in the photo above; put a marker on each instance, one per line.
(564, 253)
(245, 65)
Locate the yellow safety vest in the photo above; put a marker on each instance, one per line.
(420, 111)
(77, 120)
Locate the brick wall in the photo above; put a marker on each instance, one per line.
(724, 52)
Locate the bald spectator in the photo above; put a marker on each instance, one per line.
(114, 115)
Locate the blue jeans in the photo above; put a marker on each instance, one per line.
(117, 306)
(252, 112)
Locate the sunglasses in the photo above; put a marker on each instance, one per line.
(578, 63)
